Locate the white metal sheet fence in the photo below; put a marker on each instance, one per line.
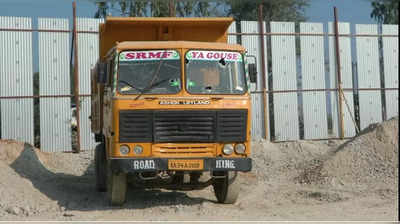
(368, 75)
(54, 71)
(88, 51)
(253, 46)
(16, 79)
(391, 69)
(293, 67)
(313, 77)
(284, 77)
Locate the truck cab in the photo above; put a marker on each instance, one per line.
(170, 107)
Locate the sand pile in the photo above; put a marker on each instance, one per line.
(10, 150)
(52, 185)
(283, 160)
(366, 162)
(19, 163)
(33, 182)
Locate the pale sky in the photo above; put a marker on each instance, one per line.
(354, 11)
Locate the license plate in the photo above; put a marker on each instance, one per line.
(185, 164)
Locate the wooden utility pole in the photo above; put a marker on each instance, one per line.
(339, 76)
(264, 74)
(76, 80)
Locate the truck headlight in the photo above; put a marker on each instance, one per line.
(240, 148)
(228, 149)
(138, 149)
(124, 149)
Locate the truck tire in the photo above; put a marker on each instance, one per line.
(116, 187)
(100, 168)
(226, 189)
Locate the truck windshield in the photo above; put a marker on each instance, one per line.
(149, 72)
(214, 72)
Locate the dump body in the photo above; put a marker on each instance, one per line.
(162, 29)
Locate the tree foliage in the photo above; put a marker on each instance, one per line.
(158, 8)
(273, 10)
(385, 11)
(278, 10)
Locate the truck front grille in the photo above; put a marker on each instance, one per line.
(183, 126)
(135, 126)
(231, 125)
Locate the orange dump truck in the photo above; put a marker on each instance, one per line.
(170, 107)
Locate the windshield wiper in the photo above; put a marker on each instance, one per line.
(152, 84)
(141, 91)
(130, 85)
(150, 87)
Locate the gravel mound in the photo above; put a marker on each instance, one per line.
(18, 195)
(288, 175)
(283, 160)
(33, 182)
(367, 161)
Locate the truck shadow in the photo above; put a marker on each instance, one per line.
(78, 192)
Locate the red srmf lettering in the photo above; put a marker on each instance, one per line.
(141, 55)
(154, 55)
(166, 54)
(130, 55)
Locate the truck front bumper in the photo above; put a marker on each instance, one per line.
(133, 165)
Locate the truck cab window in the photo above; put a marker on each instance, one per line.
(215, 72)
(149, 72)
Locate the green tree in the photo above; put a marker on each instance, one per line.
(102, 8)
(277, 10)
(273, 10)
(157, 8)
(385, 11)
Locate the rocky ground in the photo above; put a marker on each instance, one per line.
(354, 180)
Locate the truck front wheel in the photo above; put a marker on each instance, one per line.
(116, 187)
(226, 189)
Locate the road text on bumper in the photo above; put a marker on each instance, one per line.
(132, 165)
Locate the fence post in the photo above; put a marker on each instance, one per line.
(261, 32)
(76, 80)
(339, 76)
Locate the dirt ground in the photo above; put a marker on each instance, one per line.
(355, 180)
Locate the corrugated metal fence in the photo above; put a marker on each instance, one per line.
(16, 79)
(301, 79)
(54, 71)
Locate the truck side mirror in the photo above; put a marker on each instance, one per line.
(253, 72)
(102, 72)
